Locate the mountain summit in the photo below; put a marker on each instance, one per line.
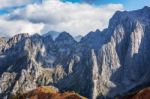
(104, 64)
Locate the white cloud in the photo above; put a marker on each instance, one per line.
(10, 28)
(13, 3)
(75, 18)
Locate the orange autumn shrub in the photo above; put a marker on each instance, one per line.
(46, 92)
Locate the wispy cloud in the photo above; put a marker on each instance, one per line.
(75, 18)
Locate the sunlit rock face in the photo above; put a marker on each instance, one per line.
(2, 44)
(124, 59)
(104, 64)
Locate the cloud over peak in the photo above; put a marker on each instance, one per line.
(75, 18)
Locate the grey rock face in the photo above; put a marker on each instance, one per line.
(104, 64)
(2, 44)
(122, 59)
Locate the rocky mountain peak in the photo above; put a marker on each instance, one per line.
(104, 64)
(146, 8)
(130, 17)
(17, 38)
(94, 39)
(97, 31)
(48, 38)
(65, 38)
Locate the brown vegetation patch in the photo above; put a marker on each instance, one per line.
(47, 93)
(143, 94)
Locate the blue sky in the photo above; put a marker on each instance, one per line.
(128, 4)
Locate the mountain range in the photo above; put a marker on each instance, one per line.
(55, 34)
(102, 65)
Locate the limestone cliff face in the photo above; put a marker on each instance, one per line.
(104, 64)
(123, 60)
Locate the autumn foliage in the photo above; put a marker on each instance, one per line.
(47, 93)
(143, 94)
